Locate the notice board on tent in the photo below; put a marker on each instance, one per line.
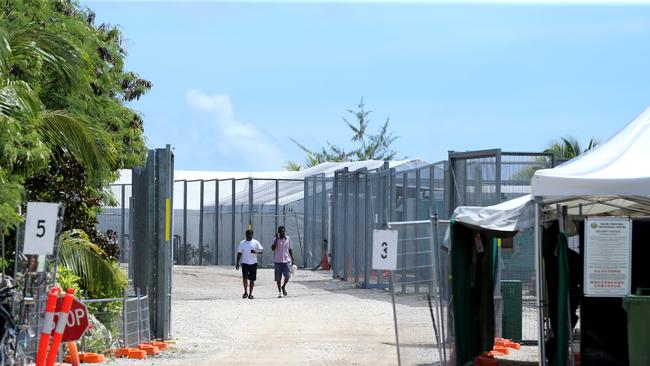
(608, 248)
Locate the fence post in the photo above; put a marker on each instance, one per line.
(323, 211)
(122, 223)
(356, 179)
(216, 221)
(277, 202)
(201, 211)
(418, 271)
(250, 203)
(124, 320)
(497, 173)
(392, 294)
(185, 222)
(137, 296)
(405, 218)
(345, 256)
(333, 244)
(232, 228)
(367, 224)
(305, 219)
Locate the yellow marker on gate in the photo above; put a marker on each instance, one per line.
(167, 218)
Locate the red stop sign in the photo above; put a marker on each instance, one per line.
(77, 320)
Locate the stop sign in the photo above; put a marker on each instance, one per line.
(77, 320)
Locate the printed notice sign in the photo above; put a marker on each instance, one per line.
(608, 247)
(384, 250)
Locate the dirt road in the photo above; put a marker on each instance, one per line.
(321, 322)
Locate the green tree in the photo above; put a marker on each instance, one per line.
(569, 147)
(562, 149)
(371, 146)
(98, 95)
(97, 276)
(31, 132)
(67, 127)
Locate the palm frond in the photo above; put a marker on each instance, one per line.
(84, 258)
(18, 98)
(58, 53)
(88, 145)
(292, 166)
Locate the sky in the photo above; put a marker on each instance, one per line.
(234, 82)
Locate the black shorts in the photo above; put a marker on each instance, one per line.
(282, 269)
(249, 271)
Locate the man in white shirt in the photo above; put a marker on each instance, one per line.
(247, 253)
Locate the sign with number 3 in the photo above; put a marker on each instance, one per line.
(40, 227)
(384, 250)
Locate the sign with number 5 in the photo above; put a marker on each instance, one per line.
(40, 227)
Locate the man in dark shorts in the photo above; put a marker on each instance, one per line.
(282, 258)
(247, 253)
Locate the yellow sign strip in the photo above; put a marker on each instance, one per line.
(167, 218)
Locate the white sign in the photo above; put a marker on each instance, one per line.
(40, 227)
(608, 247)
(384, 250)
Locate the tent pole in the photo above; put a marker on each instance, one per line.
(562, 217)
(539, 281)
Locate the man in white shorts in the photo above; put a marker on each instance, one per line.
(247, 252)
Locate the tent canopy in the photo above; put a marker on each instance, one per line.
(514, 215)
(618, 166)
(611, 179)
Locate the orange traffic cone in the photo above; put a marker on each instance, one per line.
(326, 262)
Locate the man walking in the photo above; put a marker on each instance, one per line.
(247, 252)
(282, 258)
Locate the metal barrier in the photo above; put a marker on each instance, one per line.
(116, 323)
(362, 200)
(417, 294)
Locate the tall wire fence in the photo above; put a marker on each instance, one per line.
(417, 294)
(211, 216)
(364, 200)
(483, 178)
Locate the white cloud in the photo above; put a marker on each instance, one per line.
(233, 139)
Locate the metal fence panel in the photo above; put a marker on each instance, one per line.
(418, 306)
(208, 225)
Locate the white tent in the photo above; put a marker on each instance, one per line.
(616, 167)
(612, 179)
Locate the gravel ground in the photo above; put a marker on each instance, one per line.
(322, 321)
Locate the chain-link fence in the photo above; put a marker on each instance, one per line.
(363, 200)
(417, 293)
(489, 177)
(211, 216)
(318, 190)
(117, 219)
(116, 323)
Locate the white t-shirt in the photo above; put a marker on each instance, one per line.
(245, 248)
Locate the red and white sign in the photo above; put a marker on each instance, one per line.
(77, 320)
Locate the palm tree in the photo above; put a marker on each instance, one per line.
(568, 147)
(31, 134)
(373, 147)
(87, 261)
(20, 105)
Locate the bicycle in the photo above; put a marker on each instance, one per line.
(10, 352)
